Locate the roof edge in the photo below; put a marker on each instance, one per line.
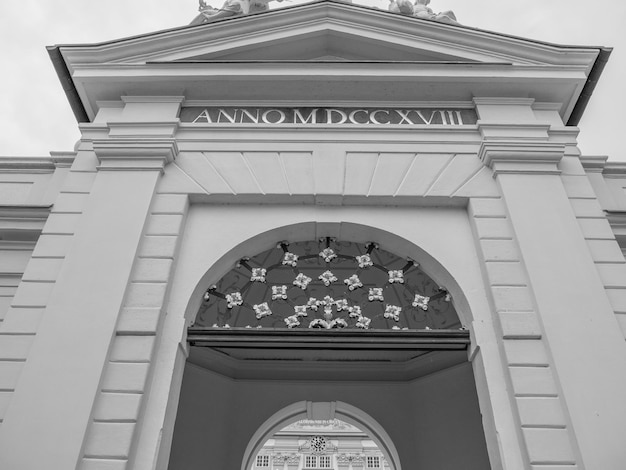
(69, 88)
(590, 86)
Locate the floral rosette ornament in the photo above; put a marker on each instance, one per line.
(262, 310)
(302, 281)
(328, 254)
(365, 261)
(355, 311)
(376, 293)
(421, 301)
(392, 312)
(396, 277)
(300, 311)
(290, 259)
(279, 292)
(327, 278)
(233, 300)
(258, 274)
(313, 304)
(353, 282)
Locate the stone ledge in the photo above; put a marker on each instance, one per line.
(135, 155)
(519, 157)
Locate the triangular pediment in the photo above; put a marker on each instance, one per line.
(326, 28)
(331, 44)
(324, 51)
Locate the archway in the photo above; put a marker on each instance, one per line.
(303, 232)
(415, 382)
(323, 411)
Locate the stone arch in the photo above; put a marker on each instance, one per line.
(345, 231)
(322, 411)
(420, 239)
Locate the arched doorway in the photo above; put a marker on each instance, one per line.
(406, 367)
(319, 421)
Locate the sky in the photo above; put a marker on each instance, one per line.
(36, 117)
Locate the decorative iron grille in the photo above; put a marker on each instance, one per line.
(327, 284)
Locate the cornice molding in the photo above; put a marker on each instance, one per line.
(329, 104)
(176, 58)
(503, 101)
(515, 157)
(152, 99)
(63, 159)
(142, 129)
(614, 170)
(493, 130)
(594, 163)
(355, 17)
(546, 106)
(16, 245)
(135, 155)
(27, 165)
(617, 220)
(21, 225)
(26, 212)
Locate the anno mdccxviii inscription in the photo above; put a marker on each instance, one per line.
(329, 116)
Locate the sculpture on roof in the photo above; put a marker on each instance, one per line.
(420, 9)
(208, 14)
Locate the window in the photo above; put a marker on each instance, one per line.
(262, 460)
(373, 462)
(315, 461)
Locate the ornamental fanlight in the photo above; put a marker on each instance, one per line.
(328, 285)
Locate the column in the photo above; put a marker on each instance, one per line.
(47, 420)
(585, 347)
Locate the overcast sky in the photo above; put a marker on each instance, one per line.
(36, 117)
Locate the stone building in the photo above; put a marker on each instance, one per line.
(308, 444)
(319, 212)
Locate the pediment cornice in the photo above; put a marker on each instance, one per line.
(326, 50)
(328, 18)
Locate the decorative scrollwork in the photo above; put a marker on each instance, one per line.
(350, 458)
(335, 284)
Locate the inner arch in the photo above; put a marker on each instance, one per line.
(307, 410)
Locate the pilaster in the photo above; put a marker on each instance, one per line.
(47, 420)
(574, 313)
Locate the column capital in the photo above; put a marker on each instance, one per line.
(502, 118)
(135, 155)
(515, 157)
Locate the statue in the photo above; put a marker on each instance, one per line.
(208, 14)
(403, 7)
(421, 10)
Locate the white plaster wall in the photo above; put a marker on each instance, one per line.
(425, 197)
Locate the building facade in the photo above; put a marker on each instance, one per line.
(194, 276)
(331, 444)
